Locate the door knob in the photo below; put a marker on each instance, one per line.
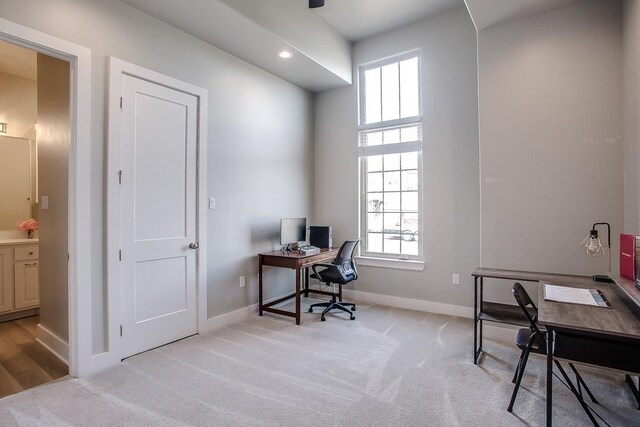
(194, 245)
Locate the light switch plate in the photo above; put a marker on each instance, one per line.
(212, 203)
(44, 202)
(456, 279)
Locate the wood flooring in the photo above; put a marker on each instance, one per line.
(24, 363)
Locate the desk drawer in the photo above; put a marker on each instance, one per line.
(615, 353)
(24, 253)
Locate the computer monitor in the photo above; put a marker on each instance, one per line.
(293, 230)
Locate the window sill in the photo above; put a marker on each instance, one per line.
(391, 263)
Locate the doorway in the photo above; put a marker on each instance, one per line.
(34, 153)
(81, 360)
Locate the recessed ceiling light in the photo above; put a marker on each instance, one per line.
(285, 54)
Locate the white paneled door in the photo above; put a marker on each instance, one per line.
(158, 215)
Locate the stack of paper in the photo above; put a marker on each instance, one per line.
(575, 295)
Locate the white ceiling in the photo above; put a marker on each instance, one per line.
(253, 37)
(359, 19)
(486, 13)
(18, 61)
(255, 30)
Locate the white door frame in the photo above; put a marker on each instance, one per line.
(79, 239)
(117, 68)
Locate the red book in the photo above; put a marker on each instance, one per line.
(628, 256)
(638, 262)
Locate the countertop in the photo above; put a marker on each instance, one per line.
(23, 241)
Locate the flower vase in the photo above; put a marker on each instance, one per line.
(29, 234)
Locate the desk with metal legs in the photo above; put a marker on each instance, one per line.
(510, 314)
(612, 336)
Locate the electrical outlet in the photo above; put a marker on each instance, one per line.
(242, 283)
(455, 279)
(212, 203)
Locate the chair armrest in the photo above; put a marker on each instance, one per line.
(318, 274)
(327, 267)
(322, 265)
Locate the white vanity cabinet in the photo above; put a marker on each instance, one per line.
(19, 276)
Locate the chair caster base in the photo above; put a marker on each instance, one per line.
(352, 318)
(353, 308)
(311, 310)
(323, 318)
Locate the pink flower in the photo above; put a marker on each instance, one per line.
(28, 224)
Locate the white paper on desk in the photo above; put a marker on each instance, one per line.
(569, 295)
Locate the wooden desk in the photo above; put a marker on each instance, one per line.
(295, 261)
(507, 313)
(611, 335)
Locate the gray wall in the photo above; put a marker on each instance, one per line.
(550, 95)
(253, 117)
(451, 192)
(53, 182)
(631, 81)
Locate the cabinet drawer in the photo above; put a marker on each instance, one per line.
(26, 252)
(27, 281)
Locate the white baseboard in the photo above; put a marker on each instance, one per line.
(237, 316)
(409, 303)
(53, 343)
(495, 332)
(228, 319)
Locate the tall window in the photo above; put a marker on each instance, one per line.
(390, 152)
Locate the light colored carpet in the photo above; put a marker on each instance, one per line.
(389, 367)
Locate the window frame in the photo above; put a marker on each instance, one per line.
(413, 262)
(363, 68)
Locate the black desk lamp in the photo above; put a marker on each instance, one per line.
(593, 246)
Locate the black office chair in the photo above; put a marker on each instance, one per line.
(532, 339)
(341, 271)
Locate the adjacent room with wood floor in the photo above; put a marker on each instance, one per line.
(319, 213)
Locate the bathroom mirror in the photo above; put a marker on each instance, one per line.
(16, 181)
